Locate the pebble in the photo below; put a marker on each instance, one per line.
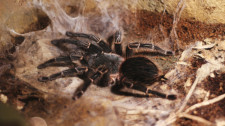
(38, 121)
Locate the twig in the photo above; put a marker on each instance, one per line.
(196, 118)
(204, 103)
(188, 95)
(173, 34)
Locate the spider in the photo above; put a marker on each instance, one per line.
(93, 60)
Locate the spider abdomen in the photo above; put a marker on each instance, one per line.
(140, 70)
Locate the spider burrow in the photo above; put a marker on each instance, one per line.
(100, 65)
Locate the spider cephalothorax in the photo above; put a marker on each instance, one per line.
(95, 62)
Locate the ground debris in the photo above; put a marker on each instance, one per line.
(203, 67)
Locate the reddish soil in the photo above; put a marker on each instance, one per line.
(144, 23)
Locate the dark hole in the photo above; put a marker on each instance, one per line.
(19, 40)
(12, 50)
(43, 21)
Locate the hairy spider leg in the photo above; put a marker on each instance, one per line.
(138, 45)
(117, 43)
(142, 88)
(66, 73)
(96, 39)
(61, 61)
(84, 45)
(88, 81)
(117, 89)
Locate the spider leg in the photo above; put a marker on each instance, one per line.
(84, 45)
(142, 88)
(147, 91)
(66, 73)
(88, 80)
(81, 89)
(117, 89)
(117, 43)
(96, 39)
(138, 45)
(60, 61)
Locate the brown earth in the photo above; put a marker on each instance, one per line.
(146, 23)
(216, 86)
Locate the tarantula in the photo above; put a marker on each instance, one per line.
(95, 62)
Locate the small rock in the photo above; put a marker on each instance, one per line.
(3, 98)
(38, 121)
(20, 105)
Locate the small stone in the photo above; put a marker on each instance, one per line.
(3, 98)
(20, 105)
(38, 121)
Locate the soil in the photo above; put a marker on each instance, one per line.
(188, 31)
(211, 112)
(216, 86)
(144, 24)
